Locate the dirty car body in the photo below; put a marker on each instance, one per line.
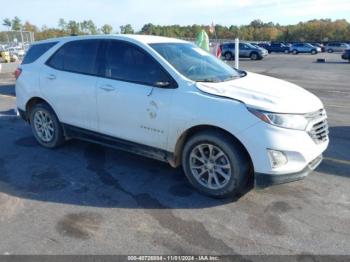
(169, 100)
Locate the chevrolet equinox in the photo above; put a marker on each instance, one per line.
(170, 100)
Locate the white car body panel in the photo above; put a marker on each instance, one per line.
(266, 93)
(158, 117)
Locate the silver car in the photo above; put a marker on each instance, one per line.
(304, 48)
(245, 50)
(336, 47)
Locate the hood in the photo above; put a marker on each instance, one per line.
(265, 93)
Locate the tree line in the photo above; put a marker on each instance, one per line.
(317, 30)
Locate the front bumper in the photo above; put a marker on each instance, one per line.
(262, 180)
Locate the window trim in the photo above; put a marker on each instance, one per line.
(101, 52)
(173, 83)
(36, 45)
(71, 71)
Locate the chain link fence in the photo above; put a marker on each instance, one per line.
(14, 45)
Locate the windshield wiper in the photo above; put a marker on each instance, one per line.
(231, 77)
(208, 80)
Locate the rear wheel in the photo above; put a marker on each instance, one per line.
(295, 52)
(45, 126)
(228, 56)
(286, 51)
(330, 51)
(215, 165)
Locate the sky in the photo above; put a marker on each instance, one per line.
(163, 12)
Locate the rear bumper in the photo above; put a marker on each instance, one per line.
(23, 114)
(264, 180)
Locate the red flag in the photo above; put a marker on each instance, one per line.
(218, 51)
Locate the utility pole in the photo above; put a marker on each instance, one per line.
(237, 53)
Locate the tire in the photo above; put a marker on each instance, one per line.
(286, 51)
(254, 56)
(295, 52)
(313, 52)
(43, 114)
(228, 56)
(234, 156)
(330, 51)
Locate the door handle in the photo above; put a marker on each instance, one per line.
(51, 77)
(107, 88)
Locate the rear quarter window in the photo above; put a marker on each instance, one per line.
(35, 51)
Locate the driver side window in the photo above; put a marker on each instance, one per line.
(127, 62)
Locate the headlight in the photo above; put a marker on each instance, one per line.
(291, 121)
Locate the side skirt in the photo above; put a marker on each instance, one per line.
(113, 142)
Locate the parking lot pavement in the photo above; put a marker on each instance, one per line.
(87, 199)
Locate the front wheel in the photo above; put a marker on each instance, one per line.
(286, 51)
(45, 126)
(215, 165)
(295, 52)
(254, 56)
(313, 52)
(330, 50)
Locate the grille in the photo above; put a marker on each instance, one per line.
(318, 129)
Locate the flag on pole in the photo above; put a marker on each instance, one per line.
(212, 28)
(202, 40)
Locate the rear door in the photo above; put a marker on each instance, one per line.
(68, 82)
(244, 50)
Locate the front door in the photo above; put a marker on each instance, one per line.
(129, 104)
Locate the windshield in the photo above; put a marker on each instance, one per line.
(195, 63)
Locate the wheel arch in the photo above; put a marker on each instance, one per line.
(186, 135)
(33, 101)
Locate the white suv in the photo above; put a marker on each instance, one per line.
(167, 99)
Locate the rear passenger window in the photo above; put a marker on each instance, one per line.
(35, 51)
(127, 62)
(76, 56)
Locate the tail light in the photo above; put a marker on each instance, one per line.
(18, 73)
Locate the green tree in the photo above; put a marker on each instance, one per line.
(7, 22)
(16, 23)
(126, 29)
(73, 27)
(62, 24)
(91, 27)
(106, 29)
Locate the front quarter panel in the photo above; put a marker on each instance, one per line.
(192, 107)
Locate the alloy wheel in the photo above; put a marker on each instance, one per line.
(44, 126)
(210, 166)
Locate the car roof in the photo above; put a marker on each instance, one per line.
(146, 39)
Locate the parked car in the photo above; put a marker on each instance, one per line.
(259, 47)
(319, 45)
(246, 50)
(277, 48)
(170, 100)
(304, 48)
(18, 52)
(336, 47)
(346, 55)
